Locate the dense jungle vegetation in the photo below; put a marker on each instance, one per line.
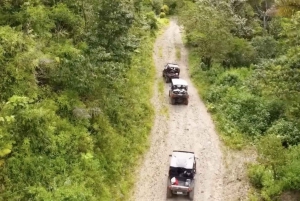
(245, 59)
(76, 86)
(76, 82)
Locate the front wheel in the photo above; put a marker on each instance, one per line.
(191, 195)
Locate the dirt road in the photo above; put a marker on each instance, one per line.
(179, 127)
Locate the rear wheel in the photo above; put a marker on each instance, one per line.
(169, 192)
(191, 195)
(186, 102)
(173, 101)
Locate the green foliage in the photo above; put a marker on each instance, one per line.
(66, 22)
(157, 4)
(114, 20)
(250, 114)
(241, 53)
(291, 177)
(266, 47)
(277, 172)
(18, 58)
(172, 5)
(165, 9)
(268, 149)
(152, 20)
(211, 37)
(287, 8)
(258, 104)
(39, 21)
(257, 174)
(275, 27)
(69, 127)
(162, 15)
(287, 130)
(291, 30)
(281, 75)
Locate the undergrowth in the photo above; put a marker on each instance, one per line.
(212, 96)
(250, 85)
(164, 109)
(141, 80)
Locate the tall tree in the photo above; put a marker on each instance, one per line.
(207, 29)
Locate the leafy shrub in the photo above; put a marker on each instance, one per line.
(165, 9)
(241, 53)
(277, 172)
(156, 5)
(275, 27)
(172, 4)
(216, 94)
(270, 192)
(69, 127)
(256, 174)
(210, 76)
(263, 101)
(268, 148)
(211, 38)
(228, 79)
(162, 15)
(65, 20)
(222, 84)
(265, 46)
(250, 113)
(287, 130)
(293, 109)
(291, 170)
(278, 78)
(230, 134)
(151, 20)
(268, 175)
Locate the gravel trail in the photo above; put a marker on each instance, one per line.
(179, 127)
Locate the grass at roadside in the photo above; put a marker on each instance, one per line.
(178, 52)
(162, 23)
(232, 138)
(160, 52)
(142, 82)
(161, 87)
(164, 110)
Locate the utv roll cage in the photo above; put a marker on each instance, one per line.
(170, 71)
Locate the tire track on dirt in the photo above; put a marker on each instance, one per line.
(187, 128)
